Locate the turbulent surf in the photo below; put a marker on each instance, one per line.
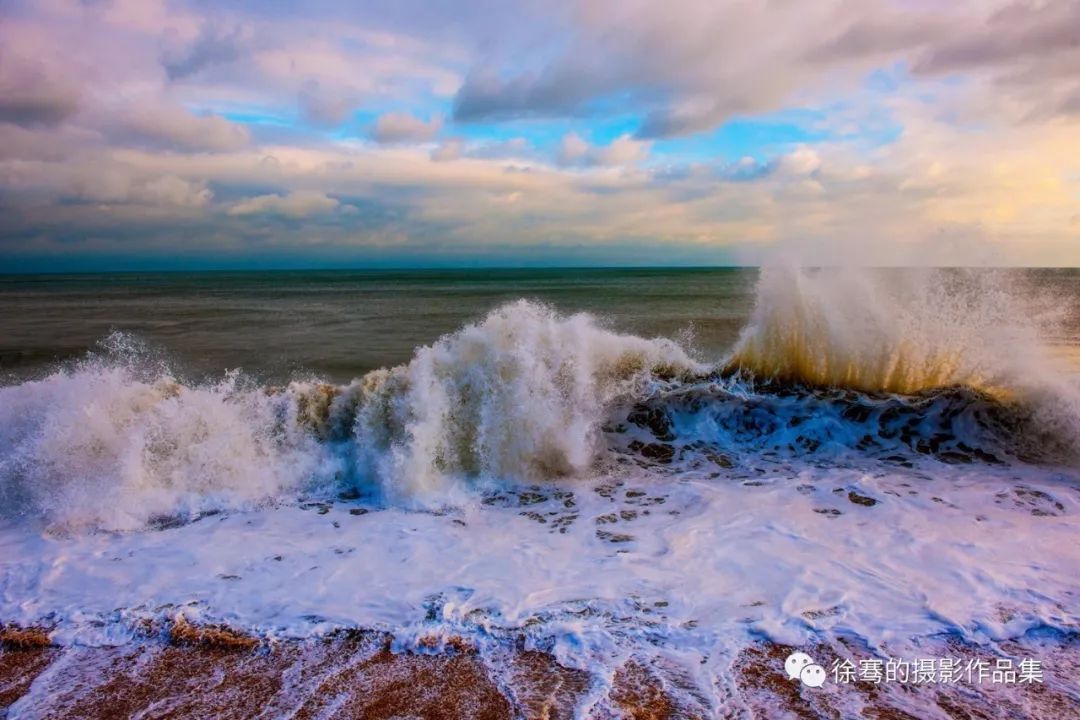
(869, 470)
(830, 368)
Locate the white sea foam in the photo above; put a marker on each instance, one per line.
(694, 568)
(539, 475)
(102, 445)
(116, 440)
(519, 396)
(893, 331)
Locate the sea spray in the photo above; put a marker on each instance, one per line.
(116, 441)
(518, 396)
(856, 367)
(886, 330)
(99, 447)
(912, 331)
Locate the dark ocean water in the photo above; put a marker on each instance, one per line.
(341, 324)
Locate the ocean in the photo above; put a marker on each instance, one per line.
(661, 478)
(341, 324)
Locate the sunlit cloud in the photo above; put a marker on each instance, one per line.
(871, 131)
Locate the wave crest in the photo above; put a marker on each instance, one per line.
(117, 441)
(527, 394)
(889, 331)
(520, 395)
(101, 446)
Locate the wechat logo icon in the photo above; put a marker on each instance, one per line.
(800, 666)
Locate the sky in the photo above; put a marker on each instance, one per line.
(149, 134)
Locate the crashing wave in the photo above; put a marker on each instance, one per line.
(828, 364)
(888, 331)
(520, 395)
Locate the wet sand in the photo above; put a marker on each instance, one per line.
(188, 672)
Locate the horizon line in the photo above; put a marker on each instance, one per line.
(488, 268)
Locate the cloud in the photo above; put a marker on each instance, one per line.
(747, 169)
(623, 150)
(171, 190)
(326, 105)
(573, 149)
(927, 186)
(295, 205)
(512, 150)
(404, 127)
(1029, 51)
(686, 66)
(864, 123)
(175, 127)
(99, 184)
(689, 65)
(1019, 32)
(881, 34)
(214, 45)
(488, 96)
(113, 186)
(448, 150)
(801, 161)
(31, 94)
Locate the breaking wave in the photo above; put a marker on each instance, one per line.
(519, 395)
(829, 367)
(892, 332)
(117, 441)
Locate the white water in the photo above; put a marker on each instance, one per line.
(714, 564)
(117, 441)
(518, 396)
(882, 331)
(691, 559)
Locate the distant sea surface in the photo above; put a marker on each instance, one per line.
(341, 324)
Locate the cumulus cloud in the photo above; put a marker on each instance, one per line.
(872, 122)
(32, 94)
(404, 127)
(448, 150)
(573, 148)
(623, 150)
(101, 183)
(801, 161)
(298, 204)
(175, 127)
(171, 190)
(214, 45)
